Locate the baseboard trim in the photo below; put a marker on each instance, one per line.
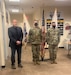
(46, 48)
(61, 47)
(2, 67)
(58, 47)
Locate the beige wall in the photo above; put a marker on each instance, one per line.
(3, 36)
(18, 17)
(30, 19)
(2, 58)
(65, 13)
(37, 16)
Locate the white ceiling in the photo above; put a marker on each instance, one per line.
(30, 5)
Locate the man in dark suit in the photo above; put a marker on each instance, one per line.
(15, 35)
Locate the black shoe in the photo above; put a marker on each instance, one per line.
(42, 58)
(13, 67)
(34, 63)
(52, 62)
(20, 66)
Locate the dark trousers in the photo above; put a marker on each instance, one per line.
(13, 51)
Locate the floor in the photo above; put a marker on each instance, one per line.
(62, 68)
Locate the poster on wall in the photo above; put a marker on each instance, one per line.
(56, 17)
(60, 25)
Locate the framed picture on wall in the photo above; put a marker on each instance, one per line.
(60, 25)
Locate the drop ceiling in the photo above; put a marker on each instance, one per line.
(28, 6)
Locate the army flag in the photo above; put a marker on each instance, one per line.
(54, 19)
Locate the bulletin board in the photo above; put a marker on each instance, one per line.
(60, 25)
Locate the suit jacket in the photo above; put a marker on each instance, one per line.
(15, 34)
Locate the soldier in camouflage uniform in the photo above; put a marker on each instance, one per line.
(53, 39)
(35, 39)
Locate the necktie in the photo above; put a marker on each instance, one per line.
(17, 33)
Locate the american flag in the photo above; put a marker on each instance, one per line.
(43, 22)
(43, 37)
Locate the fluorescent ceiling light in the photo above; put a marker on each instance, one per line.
(15, 10)
(61, 0)
(14, 0)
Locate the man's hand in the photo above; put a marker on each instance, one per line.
(18, 42)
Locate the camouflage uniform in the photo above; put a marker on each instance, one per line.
(35, 39)
(53, 39)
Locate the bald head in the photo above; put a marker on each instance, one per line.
(14, 22)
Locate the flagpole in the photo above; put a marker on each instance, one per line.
(43, 37)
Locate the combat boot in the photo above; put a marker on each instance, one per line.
(20, 66)
(13, 67)
(34, 62)
(54, 62)
(42, 58)
(37, 62)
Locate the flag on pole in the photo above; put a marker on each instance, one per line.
(43, 22)
(43, 37)
(25, 31)
(54, 19)
(27, 25)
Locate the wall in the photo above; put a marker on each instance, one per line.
(37, 16)
(18, 17)
(29, 17)
(3, 35)
(0, 24)
(2, 56)
(65, 13)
